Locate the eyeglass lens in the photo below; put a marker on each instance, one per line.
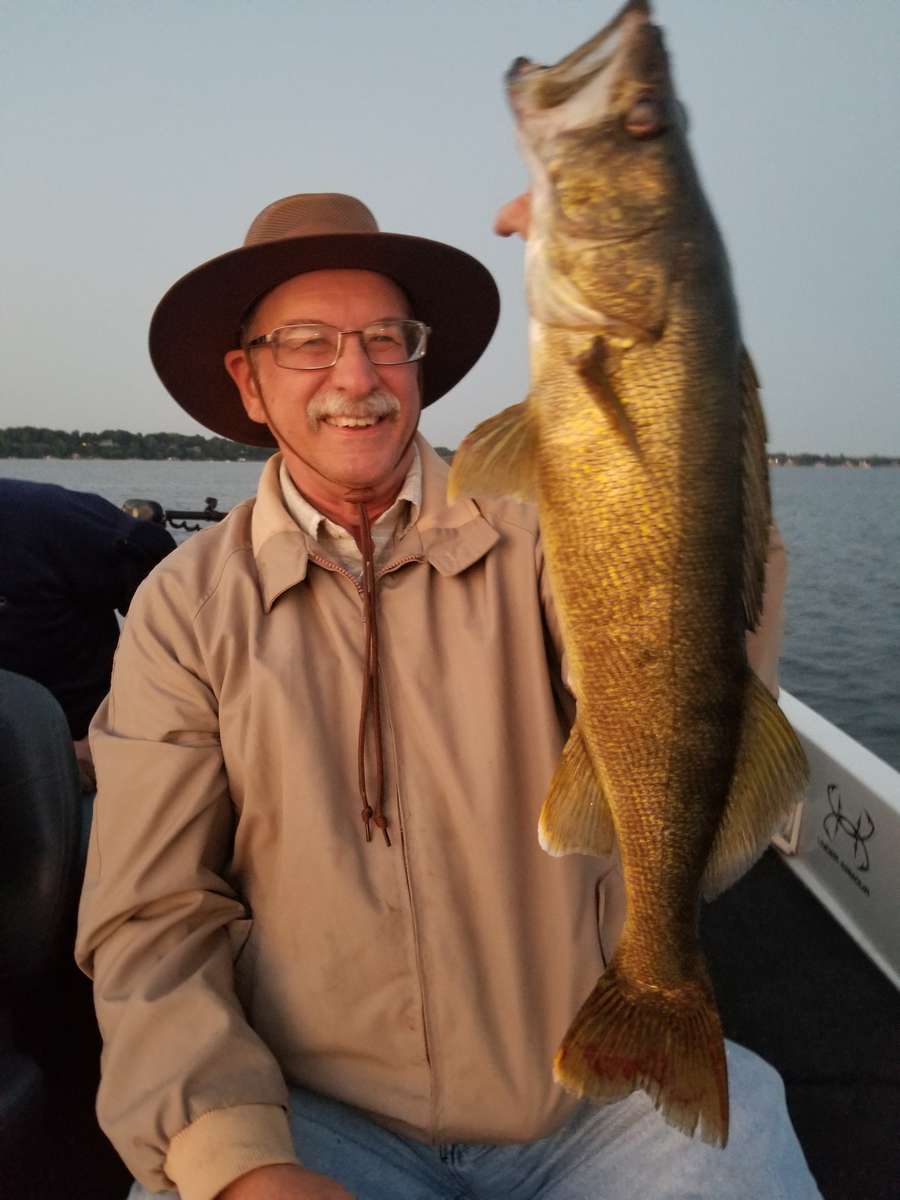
(386, 343)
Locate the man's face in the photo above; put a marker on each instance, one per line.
(309, 411)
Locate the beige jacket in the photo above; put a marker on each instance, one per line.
(241, 932)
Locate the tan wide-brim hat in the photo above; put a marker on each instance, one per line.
(199, 318)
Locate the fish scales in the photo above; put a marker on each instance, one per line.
(642, 443)
(645, 583)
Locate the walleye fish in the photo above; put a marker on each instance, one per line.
(642, 441)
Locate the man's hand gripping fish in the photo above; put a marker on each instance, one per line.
(643, 442)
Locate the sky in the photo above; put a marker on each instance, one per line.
(139, 139)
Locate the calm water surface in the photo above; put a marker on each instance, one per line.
(842, 528)
(842, 646)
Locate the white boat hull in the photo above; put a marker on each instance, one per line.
(843, 842)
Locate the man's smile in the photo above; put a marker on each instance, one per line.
(366, 422)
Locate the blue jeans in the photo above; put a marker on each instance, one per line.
(623, 1151)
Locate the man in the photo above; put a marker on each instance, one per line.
(321, 928)
(68, 561)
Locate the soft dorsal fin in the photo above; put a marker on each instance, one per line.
(770, 776)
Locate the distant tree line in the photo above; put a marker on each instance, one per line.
(31, 441)
(833, 460)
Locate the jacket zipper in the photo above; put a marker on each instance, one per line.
(338, 570)
(386, 570)
(399, 562)
(420, 972)
(415, 924)
(332, 566)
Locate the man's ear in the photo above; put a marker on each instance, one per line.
(237, 364)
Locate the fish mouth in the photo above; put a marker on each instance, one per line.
(535, 90)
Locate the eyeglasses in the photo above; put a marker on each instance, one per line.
(314, 347)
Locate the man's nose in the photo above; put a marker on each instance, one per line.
(354, 372)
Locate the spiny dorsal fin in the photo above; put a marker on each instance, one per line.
(757, 503)
(496, 458)
(576, 818)
(770, 776)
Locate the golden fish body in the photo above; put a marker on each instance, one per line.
(642, 442)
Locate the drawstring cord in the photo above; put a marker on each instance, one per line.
(370, 693)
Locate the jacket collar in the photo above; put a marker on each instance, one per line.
(449, 537)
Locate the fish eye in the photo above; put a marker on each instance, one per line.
(646, 117)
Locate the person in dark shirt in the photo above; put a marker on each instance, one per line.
(68, 561)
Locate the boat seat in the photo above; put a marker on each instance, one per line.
(22, 1097)
(41, 864)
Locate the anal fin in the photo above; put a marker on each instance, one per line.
(576, 817)
(770, 776)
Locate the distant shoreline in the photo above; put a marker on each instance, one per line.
(35, 443)
(833, 460)
(775, 460)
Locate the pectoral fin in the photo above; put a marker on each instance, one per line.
(576, 818)
(757, 503)
(593, 368)
(496, 458)
(770, 776)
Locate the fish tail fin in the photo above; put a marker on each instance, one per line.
(770, 776)
(623, 1040)
(575, 818)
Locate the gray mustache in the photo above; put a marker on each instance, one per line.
(379, 403)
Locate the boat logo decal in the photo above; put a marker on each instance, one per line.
(837, 821)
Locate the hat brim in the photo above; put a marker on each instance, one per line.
(198, 320)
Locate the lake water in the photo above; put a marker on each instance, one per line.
(842, 528)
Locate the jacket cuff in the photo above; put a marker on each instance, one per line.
(226, 1143)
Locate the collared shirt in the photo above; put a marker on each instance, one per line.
(339, 542)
